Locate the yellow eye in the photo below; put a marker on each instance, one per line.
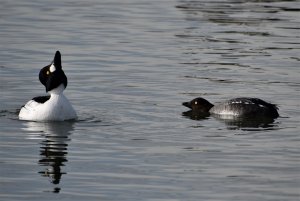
(47, 72)
(196, 102)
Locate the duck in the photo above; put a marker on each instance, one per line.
(233, 108)
(52, 107)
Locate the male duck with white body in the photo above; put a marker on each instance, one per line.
(56, 106)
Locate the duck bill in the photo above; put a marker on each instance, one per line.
(187, 104)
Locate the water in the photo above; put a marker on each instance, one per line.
(130, 64)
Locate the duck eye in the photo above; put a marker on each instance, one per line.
(47, 72)
(196, 102)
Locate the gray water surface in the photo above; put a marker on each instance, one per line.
(130, 64)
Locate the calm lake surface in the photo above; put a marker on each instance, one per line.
(130, 65)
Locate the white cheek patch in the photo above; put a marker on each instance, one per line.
(52, 68)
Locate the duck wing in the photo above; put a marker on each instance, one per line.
(248, 107)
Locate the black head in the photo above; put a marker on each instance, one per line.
(52, 76)
(199, 105)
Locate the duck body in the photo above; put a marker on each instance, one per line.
(237, 107)
(55, 107)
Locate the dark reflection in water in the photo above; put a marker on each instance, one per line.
(235, 123)
(53, 152)
(248, 123)
(195, 115)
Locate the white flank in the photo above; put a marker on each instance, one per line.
(57, 108)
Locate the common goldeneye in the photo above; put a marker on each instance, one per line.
(54, 107)
(237, 107)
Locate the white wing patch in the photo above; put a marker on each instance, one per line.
(31, 105)
(242, 102)
(236, 102)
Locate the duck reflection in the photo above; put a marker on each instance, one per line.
(54, 148)
(247, 123)
(234, 123)
(195, 115)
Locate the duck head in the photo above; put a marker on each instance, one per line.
(52, 76)
(199, 105)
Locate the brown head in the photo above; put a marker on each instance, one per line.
(199, 105)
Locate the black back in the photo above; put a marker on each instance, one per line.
(250, 107)
(41, 99)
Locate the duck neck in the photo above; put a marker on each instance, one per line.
(210, 106)
(57, 91)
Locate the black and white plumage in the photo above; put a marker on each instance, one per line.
(55, 107)
(237, 107)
